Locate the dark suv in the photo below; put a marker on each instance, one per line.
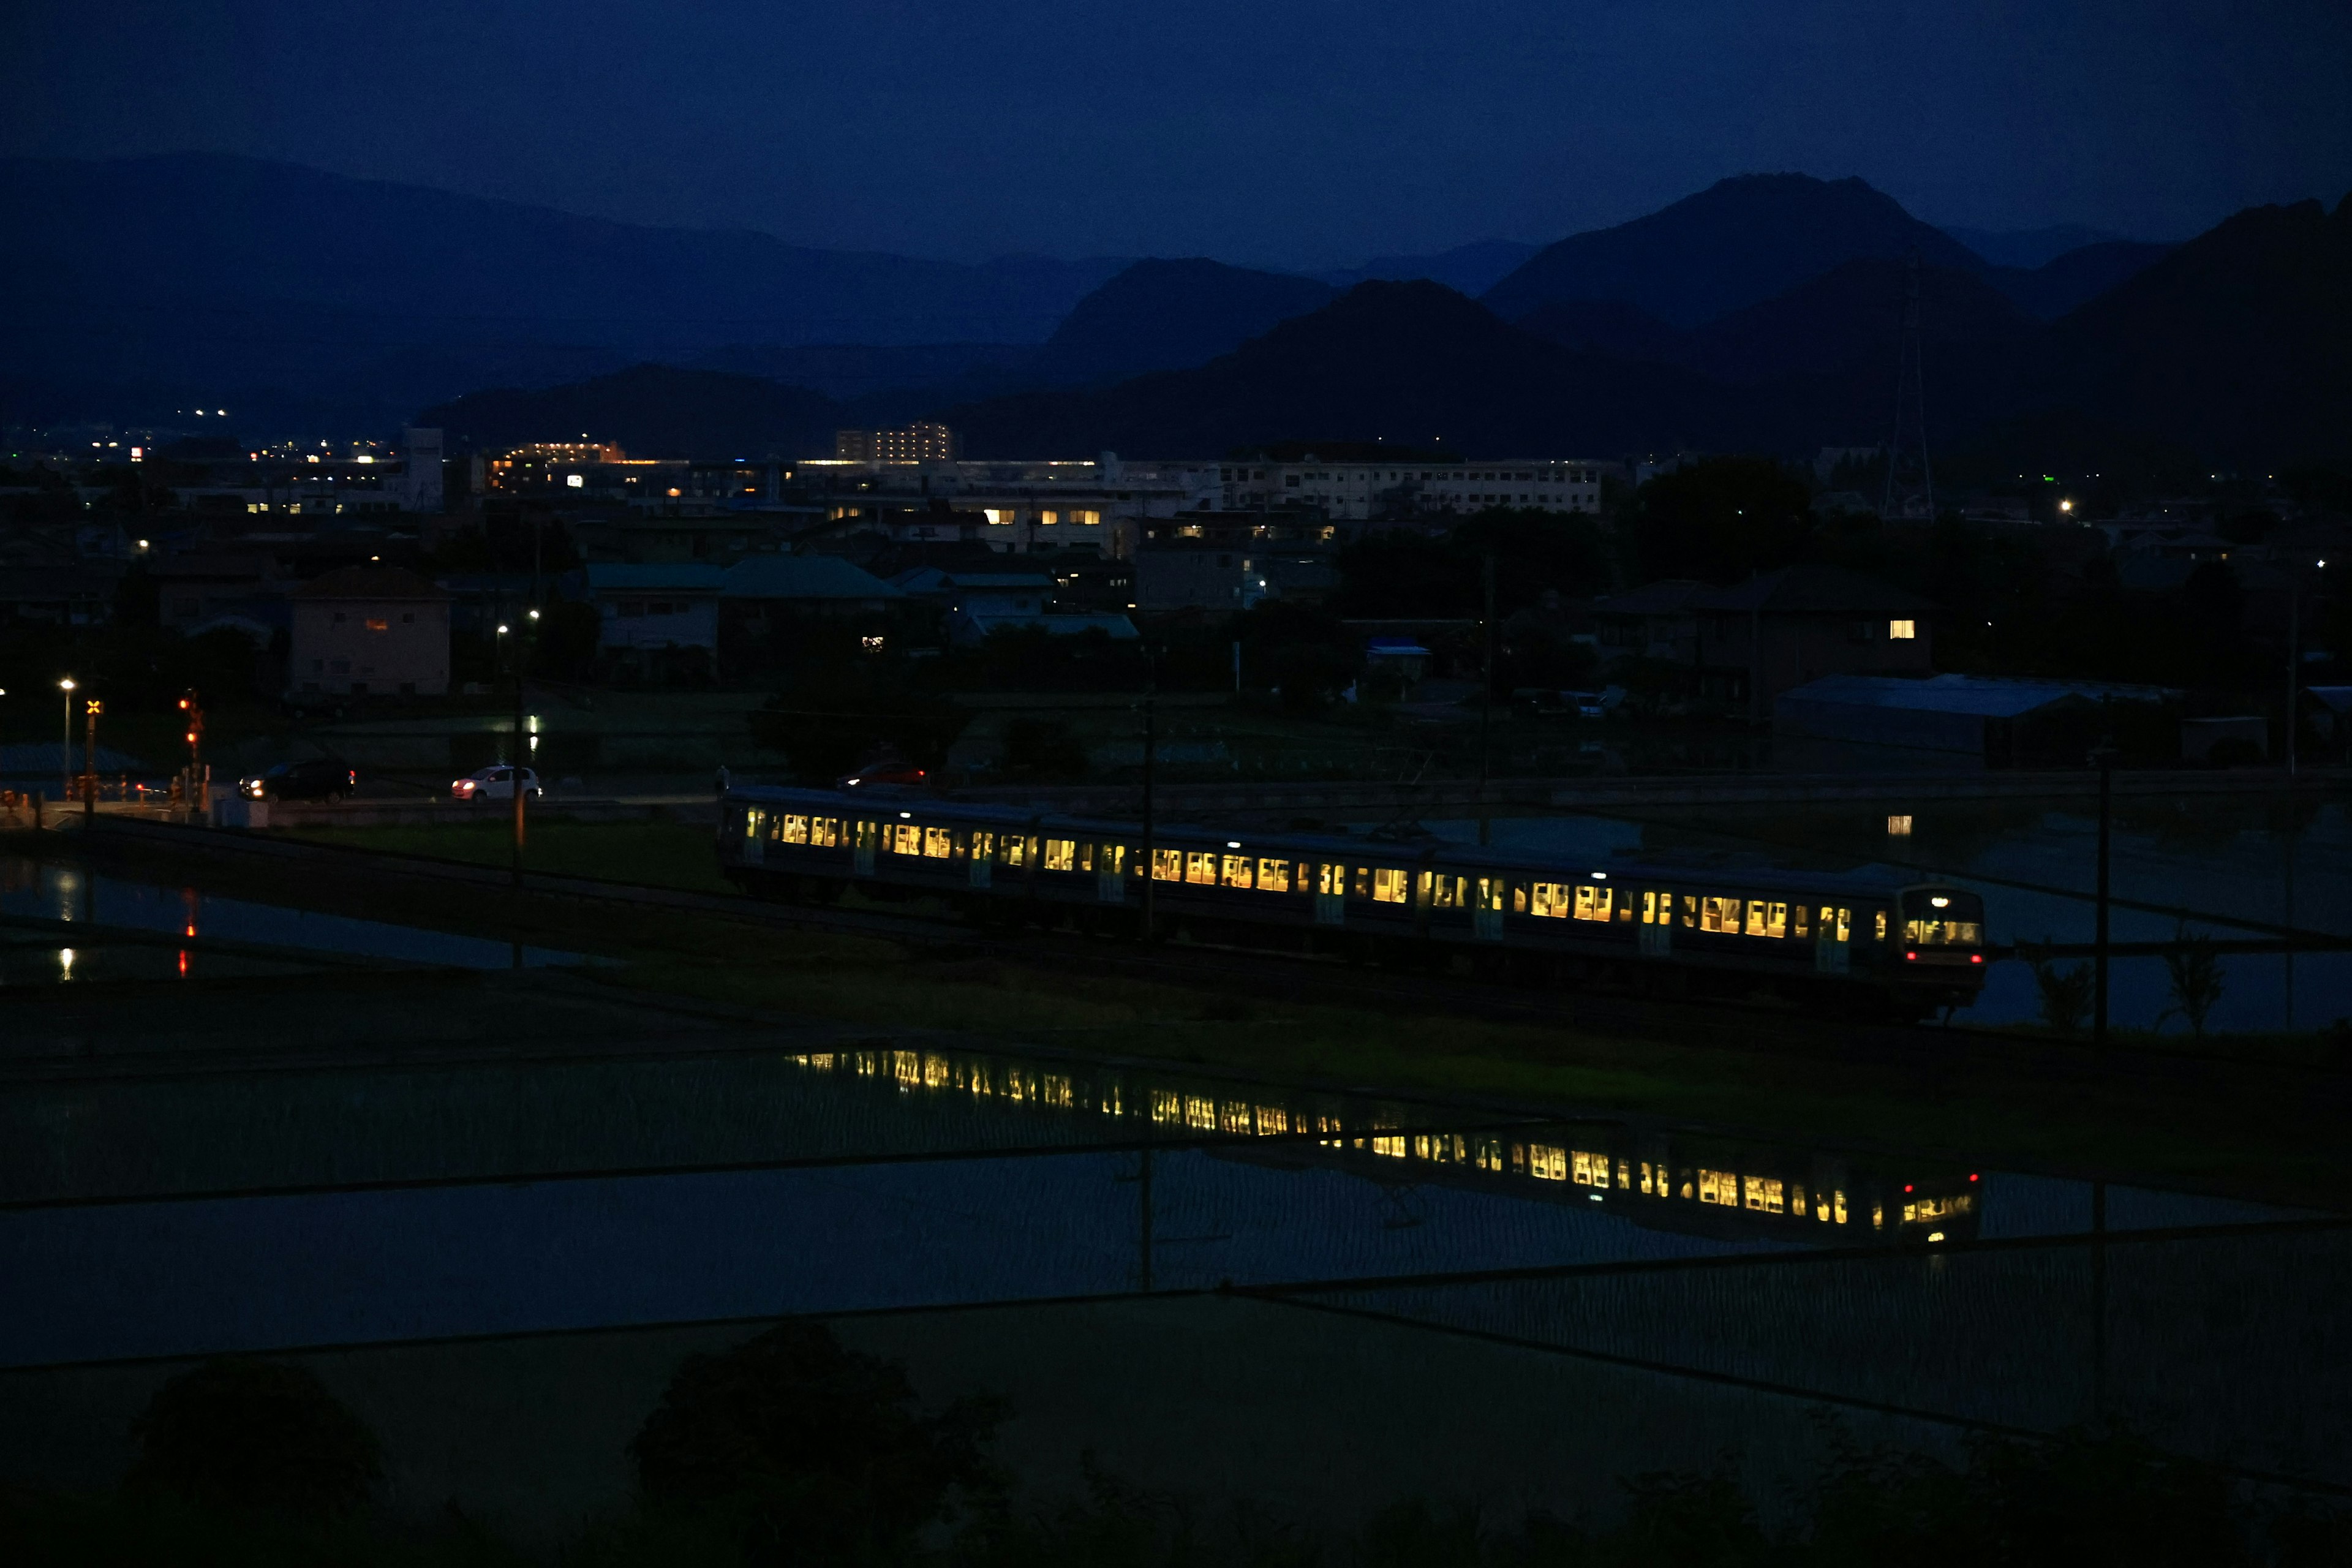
(320, 778)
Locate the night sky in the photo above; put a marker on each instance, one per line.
(1275, 131)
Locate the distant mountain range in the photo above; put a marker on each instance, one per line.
(208, 277)
(2027, 249)
(2237, 344)
(1470, 269)
(1761, 311)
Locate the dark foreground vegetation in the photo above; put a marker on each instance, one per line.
(792, 1450)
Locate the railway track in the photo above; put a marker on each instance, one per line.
(1713, 1022)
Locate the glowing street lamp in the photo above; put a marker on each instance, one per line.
(65, 742)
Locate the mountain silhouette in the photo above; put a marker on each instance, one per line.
(1413, 363)
(1166, 315)
(228, 276)
(2238, 343)
(1737, 243)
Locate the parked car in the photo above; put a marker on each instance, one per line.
(495, 782)
(319, 778)
(895, 772)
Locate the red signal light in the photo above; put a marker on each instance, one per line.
(1972, 1175)
(1976, 958)
(184, 704)
(1906, 1186)
(1910, 958)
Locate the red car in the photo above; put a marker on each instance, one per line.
(900, 773)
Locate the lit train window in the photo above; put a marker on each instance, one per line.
(1764, 1192)
(1690, 910)
(1167, 865)
(1364, 882)
(1060, 854)
(793, 829)
(983, 845)
(1014, 849)
(1942, 933)
(751, 824)
(1519, 899)
(1273, 876)
(1720, 915)
(1767, 917)
(1592, 904)
(1201, 866)
(824, 832)
(902, 838)
(1657, 908)
(1490, 894)
(1112, 858)
(1331, 880)
(1797, 914)
(1389, 886)
(1589, 1170)
(1446, 893)
(1236, 871)
(1547, 1162)
(1880, 934)
(1549, 899)
(1720, 1187)
(939, 844)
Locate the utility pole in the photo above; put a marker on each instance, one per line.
(2105, 757)
(1151, 837)
(89, 758)
(515, 771)
(1487, 696)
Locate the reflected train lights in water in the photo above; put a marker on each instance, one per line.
(1669, 1181)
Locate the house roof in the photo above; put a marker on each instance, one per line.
(1116, 626)
(371, 583)
(803, 577)
(1982, 696)
(1660, 598)
(1814, 591)
(944, 580)
(615, 577)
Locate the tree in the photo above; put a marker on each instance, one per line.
(2194, 966)
(1720, 520)
(820, 1451)
(255, 1433)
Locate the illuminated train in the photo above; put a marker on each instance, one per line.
(1907, 948)
(1692, 1184)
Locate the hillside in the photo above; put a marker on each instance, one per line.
(229, 277)
(1167, 315)
(2239, 342)
(1412, 362)
(1471, 268)
(651, 411)
(1737, 243)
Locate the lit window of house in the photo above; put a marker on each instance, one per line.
(1902, 630)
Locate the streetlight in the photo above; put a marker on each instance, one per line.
(65, 743)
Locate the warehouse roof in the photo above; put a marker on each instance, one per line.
(1988, 696)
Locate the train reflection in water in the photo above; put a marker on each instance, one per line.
(1693, 1184)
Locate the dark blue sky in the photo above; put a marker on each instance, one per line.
(1290, 132)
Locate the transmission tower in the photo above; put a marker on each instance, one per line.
(1910, 477)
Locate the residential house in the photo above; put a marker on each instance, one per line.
(1990, 722)
(654, 622)
(366, 631)
(1746, 644)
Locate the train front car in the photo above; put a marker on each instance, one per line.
(1940, 949)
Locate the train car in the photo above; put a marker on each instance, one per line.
(1910, 948)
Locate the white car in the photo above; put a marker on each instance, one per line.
(495, 782)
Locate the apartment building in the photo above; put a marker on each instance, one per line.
(1362, 491)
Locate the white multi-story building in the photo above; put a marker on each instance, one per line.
(1361, 492)
(1099, 505)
